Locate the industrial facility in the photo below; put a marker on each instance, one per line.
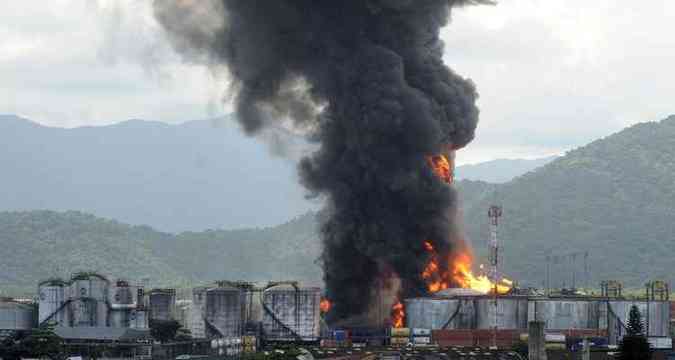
(230, 318)
(278, 311)
(89, 310)
(461, 316)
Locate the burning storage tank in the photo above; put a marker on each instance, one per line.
(568, 313)
(466, 309)
(162, 304)
(52, 302)
(88, 300)
(16, 316)
(291, 313)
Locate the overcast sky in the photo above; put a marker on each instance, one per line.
(552, 74)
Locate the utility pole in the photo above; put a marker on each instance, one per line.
(548, 275)
(587, 280)
(494, 213)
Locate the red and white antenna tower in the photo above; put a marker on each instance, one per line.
(494, 213)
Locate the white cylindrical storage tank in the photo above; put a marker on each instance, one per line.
(291, 314)
(511, 312)
(162, 304)
(440, 313)
(122, 295)
(89, 300)
(195, 313)
(119, 318)
(16, 316)
(51, 301)
(566, 314)
(138, 319)
(224, 311)
(183, 308)
(83, 312)
(253, 310)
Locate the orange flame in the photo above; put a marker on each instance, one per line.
(458, 268)
(465, 278)
(459, 273)
(325, 305)
(442, 167)
(397, 315)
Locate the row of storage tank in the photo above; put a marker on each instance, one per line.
(514, 312)
(91, 300)
(282, 312)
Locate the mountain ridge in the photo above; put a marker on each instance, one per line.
(196, 175)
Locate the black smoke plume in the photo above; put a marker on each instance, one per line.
(366, 80)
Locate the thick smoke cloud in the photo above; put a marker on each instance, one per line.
(365, 79)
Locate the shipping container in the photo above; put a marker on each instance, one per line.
(661, 343)
(399, 341)
(389, 356)
(422, 340)
(421, 332)
(555, 346)
(249, 340)
(400, 332)
(340, 335)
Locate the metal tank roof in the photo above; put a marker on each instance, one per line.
(457, 292)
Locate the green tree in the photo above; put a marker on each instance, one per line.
(164, 330)
(634, 326)
(634, 345)
(183, 334)
(10, 347)
(44, 343)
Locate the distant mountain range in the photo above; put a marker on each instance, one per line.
(194, 176)
(500, 170)
(189, 177)
(606, 207)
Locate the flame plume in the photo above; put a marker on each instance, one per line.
(325, 305)
(397, 315)
(458, 267)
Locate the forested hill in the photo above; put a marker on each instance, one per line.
(614, 198)
(41, 244)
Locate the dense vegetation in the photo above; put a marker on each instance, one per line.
(41, 244)
(613, 198)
